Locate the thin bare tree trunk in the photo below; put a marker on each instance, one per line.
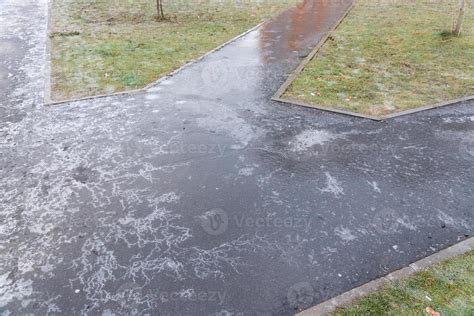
(457, 29)
(159, 9)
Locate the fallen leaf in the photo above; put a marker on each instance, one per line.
(432, 312)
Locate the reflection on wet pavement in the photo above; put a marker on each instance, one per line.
(307, 23)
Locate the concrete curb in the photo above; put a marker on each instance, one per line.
(48, 101)
(47, 70)
(278, 95)
(348, 297)
(428, 107)
(322, 108)
(307, 59)
(370, 117)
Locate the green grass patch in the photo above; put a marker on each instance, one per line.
(105, 46)
(389, 56)
(447, 288)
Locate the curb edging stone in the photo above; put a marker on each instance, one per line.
(348, 297)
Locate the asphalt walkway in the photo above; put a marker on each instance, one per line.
(201, 196)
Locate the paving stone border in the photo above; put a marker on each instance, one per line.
(371, 117)
(348, 297)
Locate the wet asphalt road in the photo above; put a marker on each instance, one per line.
(200, 196)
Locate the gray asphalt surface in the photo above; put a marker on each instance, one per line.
(202, 197)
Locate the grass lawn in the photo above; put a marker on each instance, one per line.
(447, 288)
(105, 46)
(389, 56)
